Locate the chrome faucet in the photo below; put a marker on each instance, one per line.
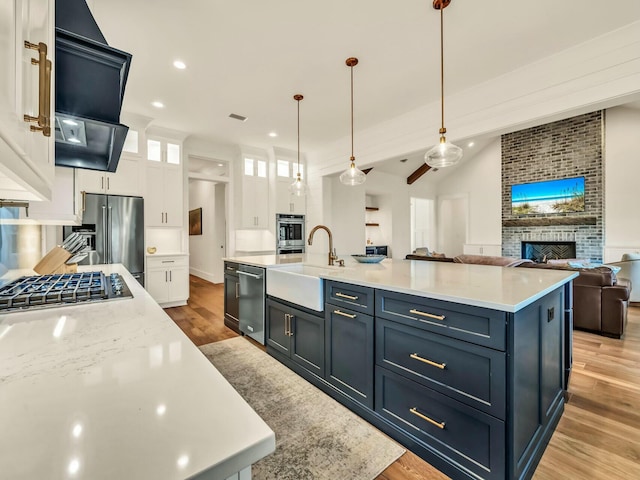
(332, 251)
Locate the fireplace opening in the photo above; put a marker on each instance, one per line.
(540, 252)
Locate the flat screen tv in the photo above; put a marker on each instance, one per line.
(565, 195)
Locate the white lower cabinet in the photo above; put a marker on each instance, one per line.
(168, 279)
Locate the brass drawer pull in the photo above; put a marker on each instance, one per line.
(423, 314)
(348, 315)
(415, 356)
(440, 425)
(348, 297)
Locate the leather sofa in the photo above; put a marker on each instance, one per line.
(600, 299)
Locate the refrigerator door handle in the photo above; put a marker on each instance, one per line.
(108, 236)
(104, 230)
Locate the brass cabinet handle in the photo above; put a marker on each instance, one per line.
(286, 324)
(348, 297)
(84, 200)
(429, 315)
(44, 90)
(348, 315)
(440, 425)
(415, 356)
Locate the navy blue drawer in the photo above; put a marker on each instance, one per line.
(350, 296)
(482, 326)
(466, 437)
(469, 373)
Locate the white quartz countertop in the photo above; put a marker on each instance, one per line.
(500, 288)
(115, 390)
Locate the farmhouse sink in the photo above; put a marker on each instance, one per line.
(299, 283)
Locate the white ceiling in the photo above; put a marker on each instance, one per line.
(250, 57)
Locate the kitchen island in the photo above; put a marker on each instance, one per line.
(465, 365)
(115, 390)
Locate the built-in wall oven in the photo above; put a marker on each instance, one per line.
(290, 233)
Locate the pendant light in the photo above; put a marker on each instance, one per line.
(298, 187)
(352, 175)
(444, 154)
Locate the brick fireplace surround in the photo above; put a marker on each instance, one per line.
(563, 149)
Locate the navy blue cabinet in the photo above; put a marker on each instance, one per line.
(349, 352)
(476, 392)
(297, 335)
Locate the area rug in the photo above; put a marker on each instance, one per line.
(316, 437)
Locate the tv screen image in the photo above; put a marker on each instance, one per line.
(565, 195)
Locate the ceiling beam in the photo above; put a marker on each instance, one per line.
(421, 170)
(367, 170)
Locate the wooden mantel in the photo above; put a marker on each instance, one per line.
(548, 221)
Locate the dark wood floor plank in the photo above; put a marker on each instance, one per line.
(597, 438)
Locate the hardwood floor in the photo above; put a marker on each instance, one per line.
(598, 436)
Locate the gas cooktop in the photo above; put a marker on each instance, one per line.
(57, 290)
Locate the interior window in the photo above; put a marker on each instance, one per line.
(154, 150)
(262, 168)
(173, 153)
(283, 168)
(248, 166)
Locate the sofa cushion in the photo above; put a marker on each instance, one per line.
(489, 260)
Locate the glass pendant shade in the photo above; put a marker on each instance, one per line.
(298, 187)
(352, 176)
(444, 154)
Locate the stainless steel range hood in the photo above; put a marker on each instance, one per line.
(90, 83)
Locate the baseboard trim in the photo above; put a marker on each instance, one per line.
(209, 277)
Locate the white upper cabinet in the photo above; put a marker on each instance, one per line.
(124, 181)
(26, 91)
(254, 186)
(164, 178)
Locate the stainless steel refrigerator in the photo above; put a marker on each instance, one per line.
(113, 226)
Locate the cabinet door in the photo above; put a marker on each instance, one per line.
(178, 284)
(26, 155)
(277, 322)
(307, 341)
(154, 198)
(231, 298)
(172, 196)
(62, 207)
(299, 204)
(91, 181)
(349, 353)
(255, 202)
(157, 285)
(126, 179)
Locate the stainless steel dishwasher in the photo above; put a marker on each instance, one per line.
(252, 301)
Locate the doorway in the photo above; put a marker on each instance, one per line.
(452, 224)
(423, 223)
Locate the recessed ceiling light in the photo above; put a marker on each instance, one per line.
(220, 165)
(179, 64)
(157, 104)
(471, 144)
(273, 134)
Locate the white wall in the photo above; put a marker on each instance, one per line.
(481, 178)
(348, 218)
(621, 182)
